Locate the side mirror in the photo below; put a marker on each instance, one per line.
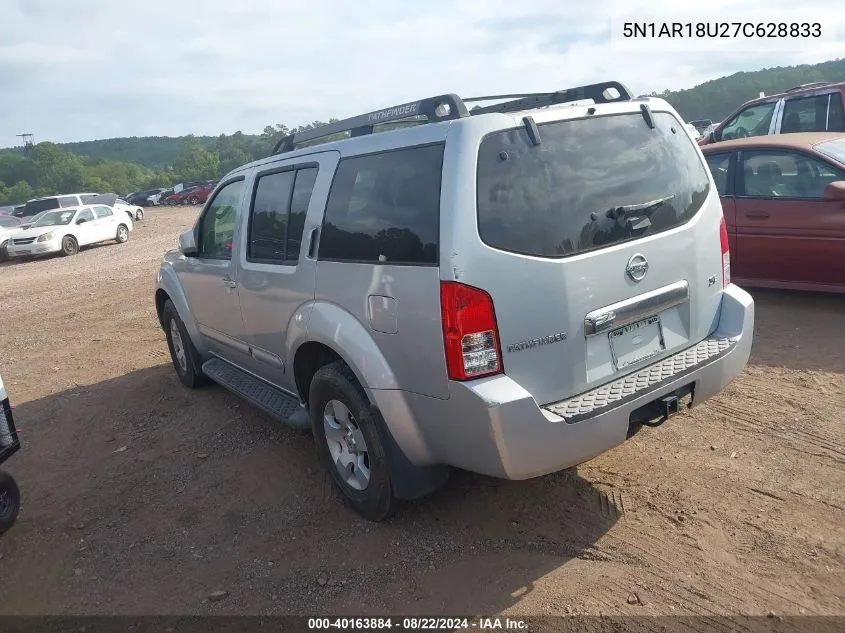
(835, 191)
(188, 243)
(81, 221)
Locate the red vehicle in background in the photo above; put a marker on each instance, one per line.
(191, 195)
(783, 197)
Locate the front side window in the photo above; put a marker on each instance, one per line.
(217, 227)
(102, 212)
(835, 114)
(590, 183)
(84, 216)
(385, 208)
(719, 165)
(805, 115)
(752, 121)
(785, 174)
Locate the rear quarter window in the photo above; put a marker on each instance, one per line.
(562, 197)
(385, 208)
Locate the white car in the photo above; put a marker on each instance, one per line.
(66, 230)
(132, 210)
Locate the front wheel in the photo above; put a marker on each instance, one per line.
(347, 431)
(193, 200)
(122, 234)
(69, 245)
(10, 501)
(182, 351)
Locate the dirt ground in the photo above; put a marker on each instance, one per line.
(142, 497)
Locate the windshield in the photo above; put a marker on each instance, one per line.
(753, 121)
(55, 218)
(590, 183)
(833, 149)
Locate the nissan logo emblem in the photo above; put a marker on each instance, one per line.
(637, 267)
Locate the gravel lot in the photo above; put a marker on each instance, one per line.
(142, 497)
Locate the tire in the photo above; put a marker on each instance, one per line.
(365, 483)
(69, 245)
(139, 215)
(122, 234)
(193, 200)
(182, 351)
(4, 255)
(173, 203)
(10, 501)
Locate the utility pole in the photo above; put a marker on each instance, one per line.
(28, 141)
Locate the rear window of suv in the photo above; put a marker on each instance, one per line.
(590, 183)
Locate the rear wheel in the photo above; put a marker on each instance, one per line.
(347, 430)
(182, 351)
(4, 255)
(10, 501)
(122, 234)
(69, 245)
(193, 200)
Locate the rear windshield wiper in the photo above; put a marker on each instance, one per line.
(628, 209)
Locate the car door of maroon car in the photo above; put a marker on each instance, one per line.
(787, 234)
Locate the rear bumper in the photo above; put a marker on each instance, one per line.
(494, 426)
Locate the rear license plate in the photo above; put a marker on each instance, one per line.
(636, 342)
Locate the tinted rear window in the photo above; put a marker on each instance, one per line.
(556, 199)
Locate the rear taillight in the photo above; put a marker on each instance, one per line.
(470, 334)
(726, 254)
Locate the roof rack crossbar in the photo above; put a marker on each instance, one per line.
(440, 108)
(599, 93)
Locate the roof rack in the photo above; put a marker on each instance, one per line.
(448, 107)
(809, 85)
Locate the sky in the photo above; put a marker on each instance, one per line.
(86, 69)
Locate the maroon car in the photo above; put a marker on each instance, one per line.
(783, 197)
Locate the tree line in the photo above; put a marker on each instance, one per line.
(122, 165)
(112, 166)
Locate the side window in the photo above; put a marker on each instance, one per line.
(86, 198)
(783, 174)
(278, 215)
(753, 121)
(805, 115)
(269, 222)
(835, 114)
(719, 164)
(102, 212)
(84, 216)
(385, 208)
(68, 201)
(217, 226)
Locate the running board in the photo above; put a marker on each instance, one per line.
(275, 402)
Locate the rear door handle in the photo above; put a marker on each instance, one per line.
(229, 282)
(757, 215)
(312, 242)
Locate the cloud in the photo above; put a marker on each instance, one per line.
(98, 68)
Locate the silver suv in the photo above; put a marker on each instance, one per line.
(511, 289)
